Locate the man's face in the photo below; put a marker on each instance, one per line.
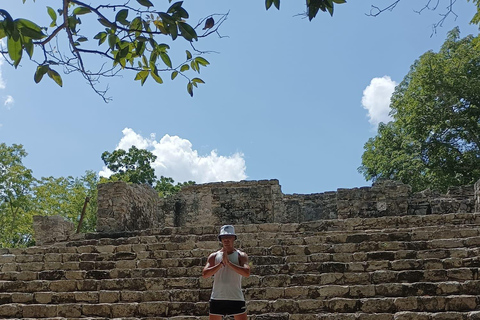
(227, 241)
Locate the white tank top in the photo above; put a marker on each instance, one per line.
(227, 284)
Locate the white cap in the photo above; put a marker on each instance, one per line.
(227, 230)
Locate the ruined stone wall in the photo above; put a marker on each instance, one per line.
(241, 202)
(385, 199)
(127, 207)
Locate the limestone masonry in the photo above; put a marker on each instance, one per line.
(127, 207)
(371, 253)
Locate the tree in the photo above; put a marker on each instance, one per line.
(135, 166)
(66, 196)
(434, 140)
(16, 182)
(22, 197)
(165, 186)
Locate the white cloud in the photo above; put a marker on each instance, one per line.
(177, 159)
(376, 99)
(9, 101)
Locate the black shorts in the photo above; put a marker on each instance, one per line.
(227, 307)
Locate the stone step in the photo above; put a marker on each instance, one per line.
(265, 291)
(403, 315)
(175, 242)
(191, 257)
(329, 274)
(207, 234)
(104, 310)
(336, 275)
(463, 303)
(383, 305)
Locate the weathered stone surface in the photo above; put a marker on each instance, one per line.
(124, 207)
(127, 207)
(50, 229)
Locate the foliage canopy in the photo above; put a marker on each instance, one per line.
(434, 140)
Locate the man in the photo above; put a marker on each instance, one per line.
(228, 265)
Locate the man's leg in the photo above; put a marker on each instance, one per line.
(242, 316)
(215, 317)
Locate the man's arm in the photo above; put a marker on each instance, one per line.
(211, 268)
(243, 268)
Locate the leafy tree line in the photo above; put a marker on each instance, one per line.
(434, 140)
(134, 166)
(131, 36)
(23, 196)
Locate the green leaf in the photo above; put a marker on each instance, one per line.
(14, 50)
(155, 76)
(136, 24)
(101, 37)
(82, 39)
(29, 29)
(106, 23)
(145, 3)
(197, 80)
(142, 76)
(189, 55)
(166, 18)
(28, 46)
(53, 16)
(330, 10)
(81, 10)
(194, 65)
(174, 74)
(112, 40)
(184, 68)
(202, 61)
(187, 31)
(277, 4)
(182, 13)
(166, 59)
(140, 48)
(55, 76)
(172, 28)
(122, 16)
(339, 1)
(40, 72)
(174, 7)
(268, 4)
(190, 89)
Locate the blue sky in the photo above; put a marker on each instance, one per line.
(284, 98)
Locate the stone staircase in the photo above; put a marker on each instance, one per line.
(388, 268)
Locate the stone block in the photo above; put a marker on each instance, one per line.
(39, 311)
(448, 316)
(124, 310)
(63, 286)
(342, 305)
(43, 297)
(149, 309)
(87, 297)
(378, 305)
(69, 310)
(108, 296)
(461, 303)
(10, 311)
(96, 310)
